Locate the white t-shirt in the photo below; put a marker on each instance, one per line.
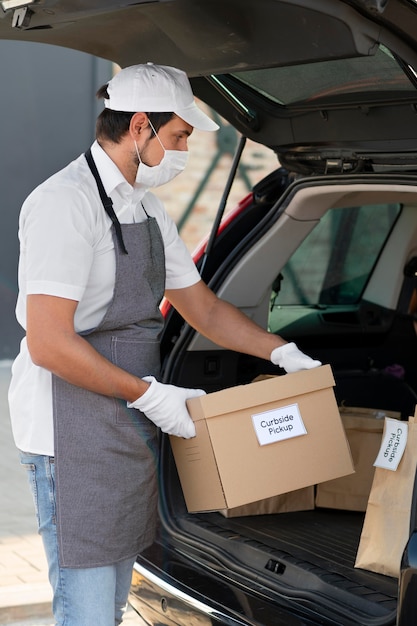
(66, 250)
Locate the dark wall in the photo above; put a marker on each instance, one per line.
(47, 118)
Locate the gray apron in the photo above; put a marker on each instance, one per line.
(106, 454)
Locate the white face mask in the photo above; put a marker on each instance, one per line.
(172, 163)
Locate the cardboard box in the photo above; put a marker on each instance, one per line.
(263, 439)
(364, 428)
(298, 500)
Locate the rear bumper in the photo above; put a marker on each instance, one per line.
(169, 589)
(160, 601)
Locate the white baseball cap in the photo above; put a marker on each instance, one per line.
(156, 88)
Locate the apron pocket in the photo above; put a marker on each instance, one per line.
(140, 358)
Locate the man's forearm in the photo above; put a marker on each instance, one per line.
(222, 322)
(228, 327)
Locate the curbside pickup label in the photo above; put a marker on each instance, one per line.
(278, 424)
(393, 444)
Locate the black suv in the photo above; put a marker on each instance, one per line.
(323, 251)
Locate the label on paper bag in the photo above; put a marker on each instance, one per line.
(393, 444)
(278, 424)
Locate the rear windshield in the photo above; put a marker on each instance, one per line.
(334, 263)
(331, 79)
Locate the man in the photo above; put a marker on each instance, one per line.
(98, 252)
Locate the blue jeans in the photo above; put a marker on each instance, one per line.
(81, 597)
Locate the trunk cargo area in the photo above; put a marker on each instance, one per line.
(304, 559)
(308, 556)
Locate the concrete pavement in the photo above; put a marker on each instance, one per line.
(25, 594)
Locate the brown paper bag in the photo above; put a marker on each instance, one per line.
(386, 528)
(298, 500)
(364, 428)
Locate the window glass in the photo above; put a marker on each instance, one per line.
(306, 83)
(333, 264)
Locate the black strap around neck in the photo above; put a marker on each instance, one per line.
(107, 202)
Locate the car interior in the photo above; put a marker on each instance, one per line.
(331, 267)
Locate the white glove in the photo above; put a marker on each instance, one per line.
(291, 359)
(165, 406)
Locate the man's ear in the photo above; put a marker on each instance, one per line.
(139, 121)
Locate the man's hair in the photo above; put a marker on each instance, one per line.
(113, 125)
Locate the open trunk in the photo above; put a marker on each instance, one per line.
(303, 561)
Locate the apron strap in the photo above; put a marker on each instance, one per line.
(107, 202)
